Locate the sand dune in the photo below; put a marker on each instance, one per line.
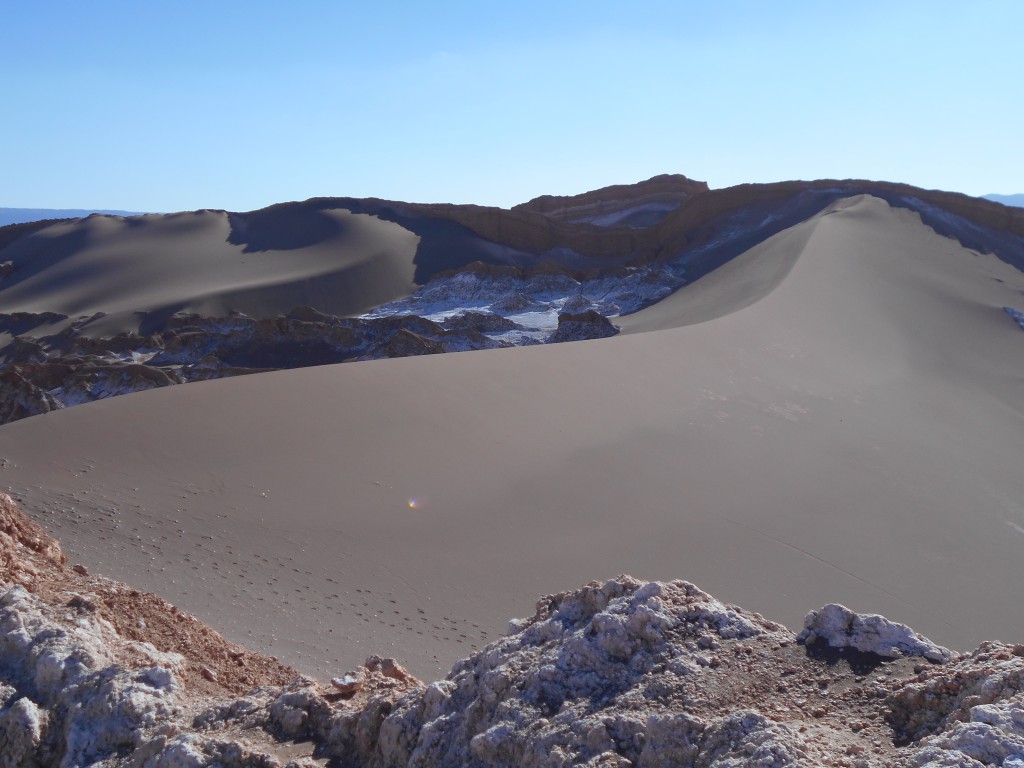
(200, 262)
(850, 431)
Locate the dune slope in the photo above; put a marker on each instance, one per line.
(850, 433)
(203, 262)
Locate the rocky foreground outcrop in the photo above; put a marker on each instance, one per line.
(619, 673)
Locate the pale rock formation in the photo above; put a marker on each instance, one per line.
(969, 712)
(587, 682)
(21, 732)
(73, 705)
(868, 633)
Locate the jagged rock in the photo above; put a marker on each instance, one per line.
(89, 381)
(577, 304)
(574, 681)
(21, 733)
(483, 322)
(17, 530)
(585, 325)
(7, 694)
(20, 398)
(633, 205)
(405, 343)
(23, 350)
(516, 303)
(974, 699)
(6, 269)
(504, 291)
(66, 369)
(94, 707)
(17, 323)
(189, 321)
(309, 314)
(627, 673)
(869, 633)
(747, 738)
(304, 710)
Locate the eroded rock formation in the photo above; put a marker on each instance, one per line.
(587, 324)
(630, 205)
(68, 368)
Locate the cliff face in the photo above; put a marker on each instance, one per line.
(620, 673)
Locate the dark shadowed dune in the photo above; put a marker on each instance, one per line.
(199, 262)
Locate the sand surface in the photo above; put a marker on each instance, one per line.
(851, 432)
(342, 262)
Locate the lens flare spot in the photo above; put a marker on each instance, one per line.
(413, 504)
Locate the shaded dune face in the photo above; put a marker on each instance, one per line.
(834, 415)
(210, 262)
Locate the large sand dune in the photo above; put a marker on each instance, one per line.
(851, 430)
(207, 262)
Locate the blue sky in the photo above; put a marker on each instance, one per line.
(179, 105)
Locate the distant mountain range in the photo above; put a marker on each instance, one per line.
(1015, 200)
(24, 215)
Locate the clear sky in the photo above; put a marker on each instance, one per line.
(161, 106)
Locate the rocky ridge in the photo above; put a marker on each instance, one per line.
(619, 673)
(760, 209)
(632, 205)
(43, 373)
